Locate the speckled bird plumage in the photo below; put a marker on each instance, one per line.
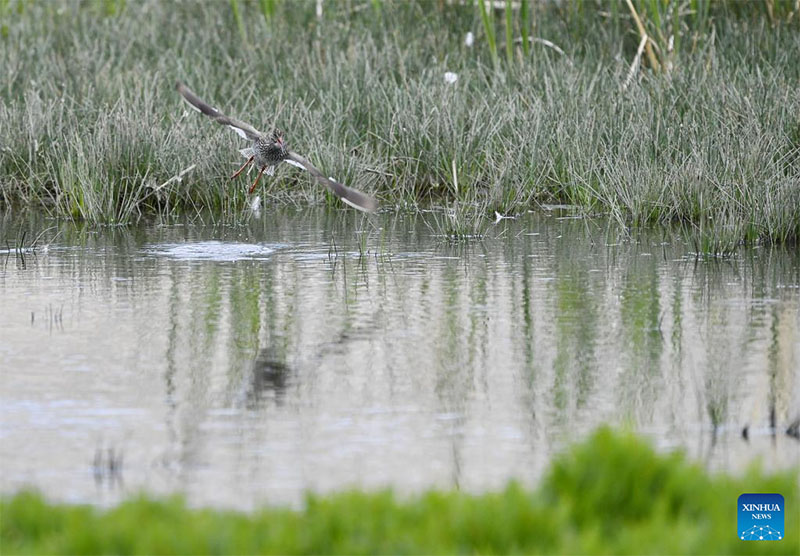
(267, 151)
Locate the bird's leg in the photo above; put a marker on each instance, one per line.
(255, 183)
(240, 170)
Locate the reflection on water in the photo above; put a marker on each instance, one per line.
(246, 363)
(269, 376)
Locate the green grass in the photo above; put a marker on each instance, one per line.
(91, 127)
(611, 494)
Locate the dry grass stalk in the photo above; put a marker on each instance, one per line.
(636, 61)
(651, 56)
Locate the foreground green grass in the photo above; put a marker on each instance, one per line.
(612, 494)
(91, 127)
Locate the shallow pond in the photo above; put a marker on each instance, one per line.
(245, 363)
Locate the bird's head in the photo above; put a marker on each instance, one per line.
(277, 138)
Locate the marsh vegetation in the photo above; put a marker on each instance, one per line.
(610, 495)
(552, 102)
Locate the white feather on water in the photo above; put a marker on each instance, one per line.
(498, 217)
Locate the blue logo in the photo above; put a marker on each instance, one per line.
(761, 517)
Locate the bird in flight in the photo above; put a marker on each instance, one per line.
(270, 150)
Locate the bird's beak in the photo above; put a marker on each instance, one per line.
(280, 142)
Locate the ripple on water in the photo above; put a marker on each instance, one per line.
(213, 251)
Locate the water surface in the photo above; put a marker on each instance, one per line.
(245, 363)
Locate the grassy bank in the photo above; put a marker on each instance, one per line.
(612, 494)
(701, 127)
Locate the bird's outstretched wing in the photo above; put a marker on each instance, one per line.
(245, 130)
(352, 197)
